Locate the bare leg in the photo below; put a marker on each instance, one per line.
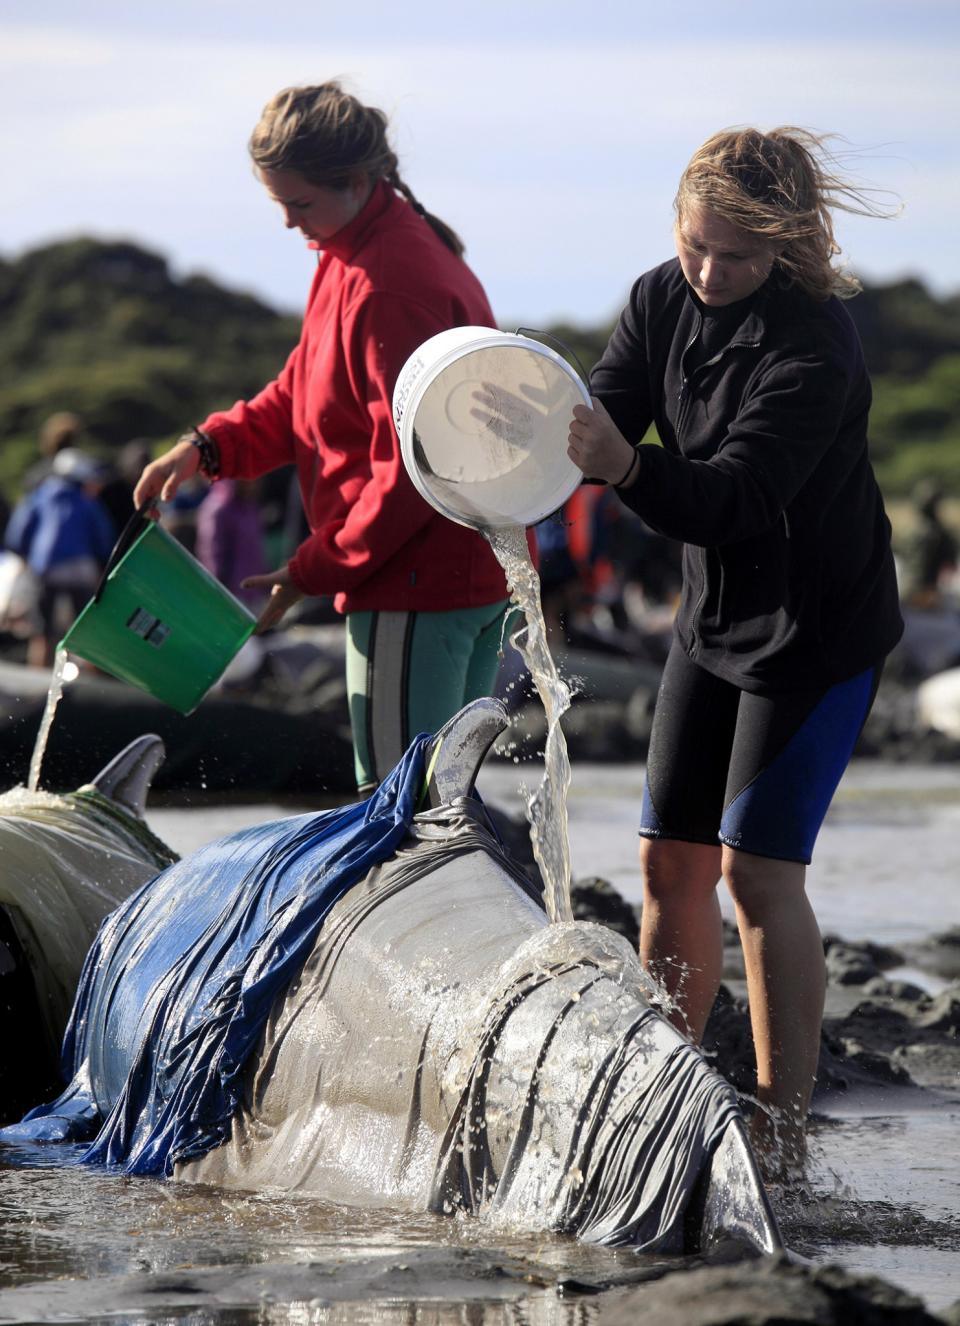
(681, 935)
(786, 979)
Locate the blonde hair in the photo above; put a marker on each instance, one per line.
(328, 136)
(781, 187)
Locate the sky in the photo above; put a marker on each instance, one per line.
(551, 136)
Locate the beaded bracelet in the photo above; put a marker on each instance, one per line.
(630, 468)
(209, 455)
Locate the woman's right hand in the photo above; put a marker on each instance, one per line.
(596, 446)
(163, 476)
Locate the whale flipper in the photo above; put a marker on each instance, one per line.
(127, 778)
(459, 747)
(735, 1207)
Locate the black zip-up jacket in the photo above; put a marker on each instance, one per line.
(764, 475)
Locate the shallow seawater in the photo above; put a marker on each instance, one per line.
(884, 1194)
(142, 1245)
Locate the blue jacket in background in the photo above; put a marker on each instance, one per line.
(58, 522)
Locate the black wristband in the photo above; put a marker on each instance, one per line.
(209, 455)
(630, 468)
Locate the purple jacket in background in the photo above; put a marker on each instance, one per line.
(230, 538)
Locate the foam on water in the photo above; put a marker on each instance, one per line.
(547, 807)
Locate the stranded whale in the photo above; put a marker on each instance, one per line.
(65, 862)
(373, 1008)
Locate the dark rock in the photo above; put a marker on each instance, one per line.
(846, 965)
(943, 1012)
(856, 963)
(940, 954)
(920, 1035)
(594, 899)
(728, 1042)
(767, 1292)
(848, 1057)
(514, 834)
(877, 1066)
(880, 987)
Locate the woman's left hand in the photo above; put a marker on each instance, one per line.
(596, 445)
(283, 595)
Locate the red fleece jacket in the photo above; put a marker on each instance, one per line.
(384, 284)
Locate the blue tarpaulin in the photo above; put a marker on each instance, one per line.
(182, 976)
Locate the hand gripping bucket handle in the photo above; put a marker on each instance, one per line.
(158, 619)
(128, 536)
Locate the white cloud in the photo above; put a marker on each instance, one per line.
(557, 162)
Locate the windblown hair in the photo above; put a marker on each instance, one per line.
(328, 136)
(782, 187)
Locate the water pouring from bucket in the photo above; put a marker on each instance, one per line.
(482, 417)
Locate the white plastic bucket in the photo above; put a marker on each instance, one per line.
(483, 418)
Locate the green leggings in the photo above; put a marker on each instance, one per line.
(408, 672)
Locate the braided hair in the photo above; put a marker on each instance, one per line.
(328, 136)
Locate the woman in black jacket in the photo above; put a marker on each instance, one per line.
(742, 355)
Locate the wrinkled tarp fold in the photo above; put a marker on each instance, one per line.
(181, 979)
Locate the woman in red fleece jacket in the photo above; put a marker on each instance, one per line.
(424, 598)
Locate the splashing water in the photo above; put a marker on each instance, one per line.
(46, 722)
(547, 808)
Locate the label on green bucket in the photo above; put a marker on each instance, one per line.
(150, 628)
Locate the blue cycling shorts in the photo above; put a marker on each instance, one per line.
(755, 772)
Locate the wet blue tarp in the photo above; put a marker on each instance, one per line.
(182, 976)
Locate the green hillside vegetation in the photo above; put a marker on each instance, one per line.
(104, 330)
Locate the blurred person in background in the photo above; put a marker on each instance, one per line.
(119, 478)
(230, 538)
(65, 536)
(57, 432)
(929, 555)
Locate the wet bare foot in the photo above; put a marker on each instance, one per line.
(779, 1144)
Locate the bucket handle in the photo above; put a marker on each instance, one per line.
(128, 537)
(567, 350)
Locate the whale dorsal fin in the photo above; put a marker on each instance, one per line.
(127, 778)
(458, 750)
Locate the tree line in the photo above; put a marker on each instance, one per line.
(104, 330)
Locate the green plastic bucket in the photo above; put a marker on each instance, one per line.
(160, 620)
